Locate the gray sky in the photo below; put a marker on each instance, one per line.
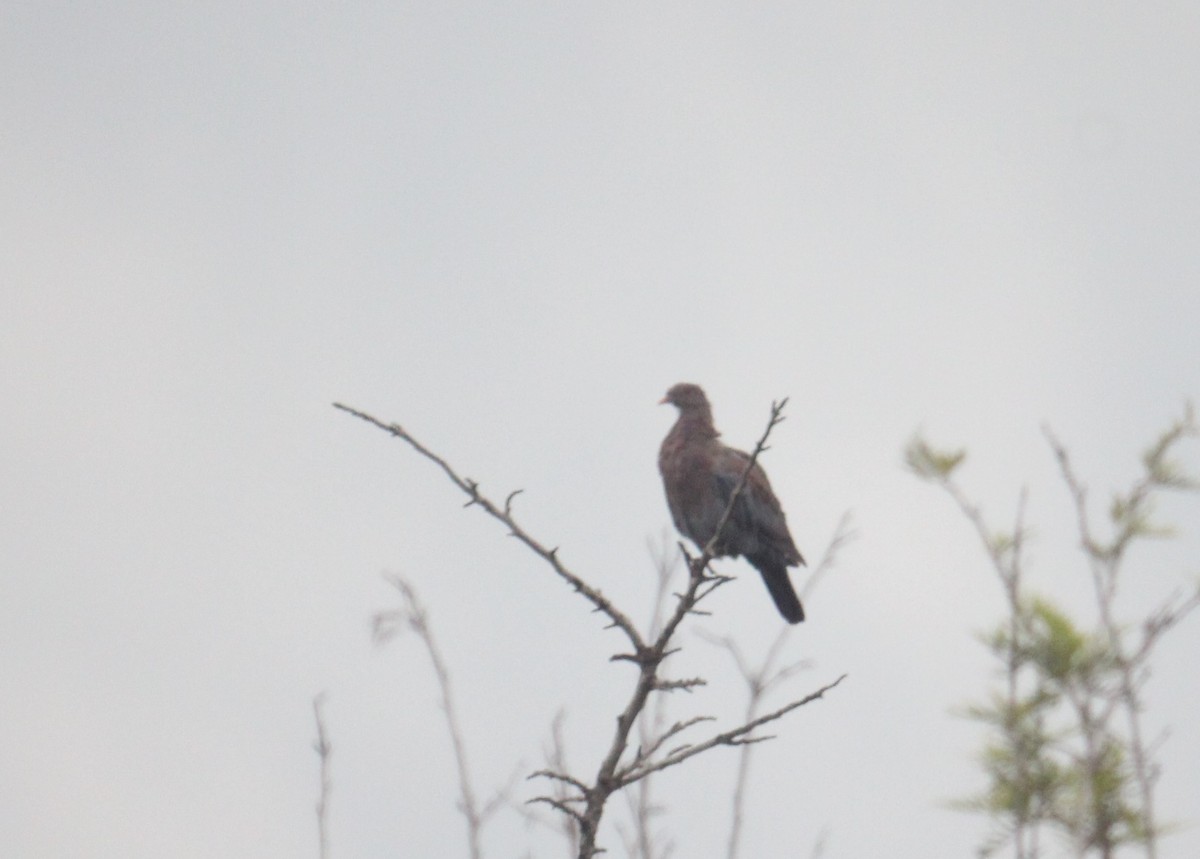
(511, 230)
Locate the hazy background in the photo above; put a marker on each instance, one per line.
(511, 228)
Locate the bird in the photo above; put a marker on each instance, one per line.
(699, 475)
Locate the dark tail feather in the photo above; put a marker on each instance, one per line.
(780, 587)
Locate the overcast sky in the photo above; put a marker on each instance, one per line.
(511, 228)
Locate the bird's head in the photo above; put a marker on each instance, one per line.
(686, 396)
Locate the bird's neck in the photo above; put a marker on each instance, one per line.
(696, 423)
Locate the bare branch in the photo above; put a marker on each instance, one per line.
(686, 685)
(642, 842)
(819, 845)
(503, 514)
(559, 805)
(324, 750)
(559, 776)
(1078, 494)
(413, 615)
(843, 535)
(566, 823)
(650, 748)
(733, 737)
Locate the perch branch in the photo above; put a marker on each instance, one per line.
(503, 513)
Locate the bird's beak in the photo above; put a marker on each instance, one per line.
(663, 401)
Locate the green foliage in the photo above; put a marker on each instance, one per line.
(1061, 652)
(1132, 512)
(1050, 760)
(1161, 470)
(1133, 517)
(1064, 750)
(929, 463)
(1097, 808)
(1024, 777)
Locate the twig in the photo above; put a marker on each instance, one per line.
(413, 615)
(733, 737)
(843, 534)
(562, 783)
(324, 751)
(649, 749)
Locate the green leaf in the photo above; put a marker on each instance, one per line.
(930, 463)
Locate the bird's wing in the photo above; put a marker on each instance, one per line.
(757, 516)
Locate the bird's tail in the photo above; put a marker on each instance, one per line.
(775, 576)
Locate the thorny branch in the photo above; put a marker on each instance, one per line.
(504, 515)
(587, 806)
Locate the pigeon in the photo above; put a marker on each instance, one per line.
(699, 475)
